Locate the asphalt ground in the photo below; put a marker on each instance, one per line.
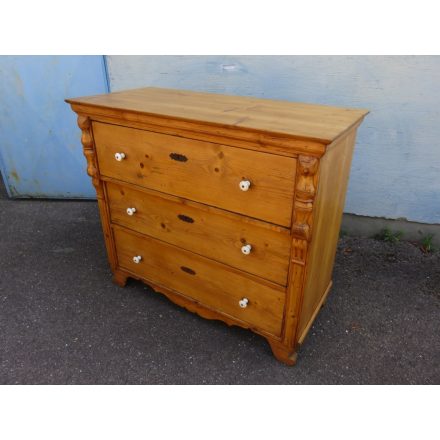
(62, 321)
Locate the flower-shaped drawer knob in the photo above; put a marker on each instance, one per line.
(119, 156)
(246, 249)
(243, 303)
(245, 185)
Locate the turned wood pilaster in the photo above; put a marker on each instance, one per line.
(85, 124)
(302, 221)
(304, 195)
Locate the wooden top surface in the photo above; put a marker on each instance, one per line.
(303, 121)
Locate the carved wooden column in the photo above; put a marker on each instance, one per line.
(85, 124)
(305, 191)
(304, 195)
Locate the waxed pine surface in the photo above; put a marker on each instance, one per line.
(62, 321)
(320, 122)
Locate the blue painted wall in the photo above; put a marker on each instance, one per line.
(40, 149)
(396, 166)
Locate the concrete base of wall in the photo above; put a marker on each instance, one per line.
(358, 225)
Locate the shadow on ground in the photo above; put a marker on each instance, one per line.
(62, 321)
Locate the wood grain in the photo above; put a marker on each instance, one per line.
(282, 352)
(185, 156)
(306, 185)
(210, 173)
(283, 145)
(317, 122)
(120, 278)
(206, 232)
(213, 284)
(85, 124)
(330, 199)
(318, 306)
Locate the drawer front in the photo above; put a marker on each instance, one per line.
(200, 171)
(203, 230)
(212, 284)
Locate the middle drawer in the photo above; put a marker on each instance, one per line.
(255, 247)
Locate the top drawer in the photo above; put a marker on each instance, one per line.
(201, 171)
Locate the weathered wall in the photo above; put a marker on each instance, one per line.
(40, 147)
(396, 167)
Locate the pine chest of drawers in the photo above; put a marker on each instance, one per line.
(230, 206)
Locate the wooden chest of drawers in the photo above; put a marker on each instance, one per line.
(230, 206)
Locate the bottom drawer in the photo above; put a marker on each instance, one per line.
(212, 284)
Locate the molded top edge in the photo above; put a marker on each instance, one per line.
(320, 123)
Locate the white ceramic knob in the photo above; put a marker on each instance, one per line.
(246, 249)
(243, 303)
(137, 259)
(245, 185)
(119, 156)
(131, 211)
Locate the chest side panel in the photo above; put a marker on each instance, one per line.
(334, 170)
